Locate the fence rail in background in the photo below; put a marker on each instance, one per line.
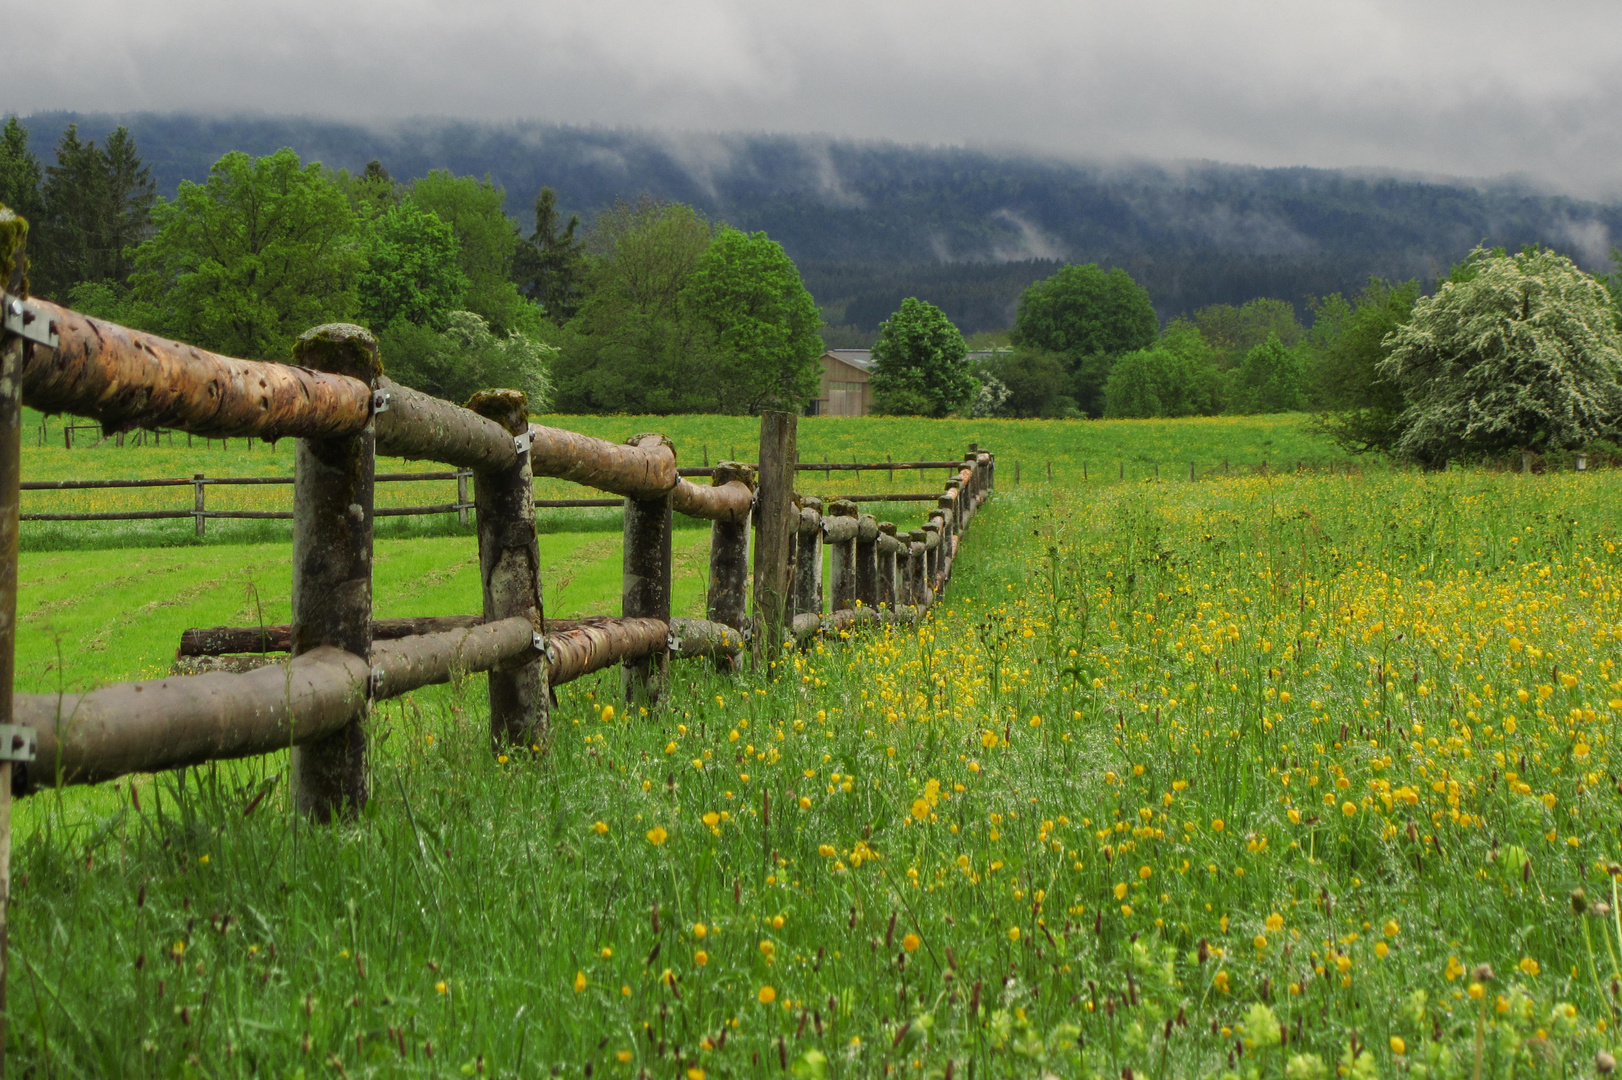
(200, 513)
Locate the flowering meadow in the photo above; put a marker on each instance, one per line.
(1270, 776)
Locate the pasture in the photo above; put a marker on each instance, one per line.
(1245, 775)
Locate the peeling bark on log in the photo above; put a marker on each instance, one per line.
(888, 547)
(510, 575)
(215, 640)
(839, 531)
(166, 723)
(332, 571)
(187, 720)
(867, 561)
(729, 502)
(694, 638)
(637, 472)
(727, 602)
(419, 427)
(775, 534)
(645, 585)
(807, 598)
(128, 379)
(917, 567)
(425, 659)
(585, 649)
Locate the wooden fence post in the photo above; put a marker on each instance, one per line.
(332, 568)
(461, 496)
(729, 563)
(775, 525)
(918, 564)
(198, 503)
(839, 530)
(888, 548)
(867, 561)
(510, 576)
(808, 559)
(645, 585)
(14, 278)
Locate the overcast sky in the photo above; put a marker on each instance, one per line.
(1479, 88)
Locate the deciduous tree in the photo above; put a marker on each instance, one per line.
(763, 320)
(1516, 352)
(1090, 316)
(248, 260)
(920, 363)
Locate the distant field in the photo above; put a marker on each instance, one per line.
(1099, 449)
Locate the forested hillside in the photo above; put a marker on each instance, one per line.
(871, 223)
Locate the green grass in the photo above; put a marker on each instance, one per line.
(1104, 450)
(1089, 819)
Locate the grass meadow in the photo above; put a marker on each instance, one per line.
(1268, 775)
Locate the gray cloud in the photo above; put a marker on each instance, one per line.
(1478, 88)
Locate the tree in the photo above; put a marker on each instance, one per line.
(370, 192)
(1174, 378)
(550, 267)
(1232, 331)
(1269, 379)
(1360, 409)
(763, 320)
(1517, 352)
(466, 357)
(412, 270)
(20, 173)
(97, 205)
(488, 241)
(635, 346)
(920, 363)
(1089, 316)
(1037, 384)
(250, 259)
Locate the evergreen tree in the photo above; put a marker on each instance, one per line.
(97, 209)
(550, 267)
(20, 173)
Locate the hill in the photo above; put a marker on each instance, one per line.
(871, 222)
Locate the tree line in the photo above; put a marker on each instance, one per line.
(652, 308)
(655, 308)
(1511, 352)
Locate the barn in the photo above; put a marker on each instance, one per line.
(844, 390)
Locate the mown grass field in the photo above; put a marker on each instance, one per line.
(1244, 776)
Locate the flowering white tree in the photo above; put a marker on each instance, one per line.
(1518, 352)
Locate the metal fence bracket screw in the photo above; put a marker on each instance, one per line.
(21, 319)
(17, 743)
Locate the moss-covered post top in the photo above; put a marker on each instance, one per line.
(728, 471)
(842, 508)
(509, 408)
(13, 263)
(341, 349)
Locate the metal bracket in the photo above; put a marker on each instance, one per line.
(381, 400)
(21, 319)
(537, 641)
(521, 443)
(375, 683)
(18, 743)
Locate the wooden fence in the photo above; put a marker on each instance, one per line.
(200, 483)
(342, 411)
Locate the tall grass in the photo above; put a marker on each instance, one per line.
(1243, 775)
